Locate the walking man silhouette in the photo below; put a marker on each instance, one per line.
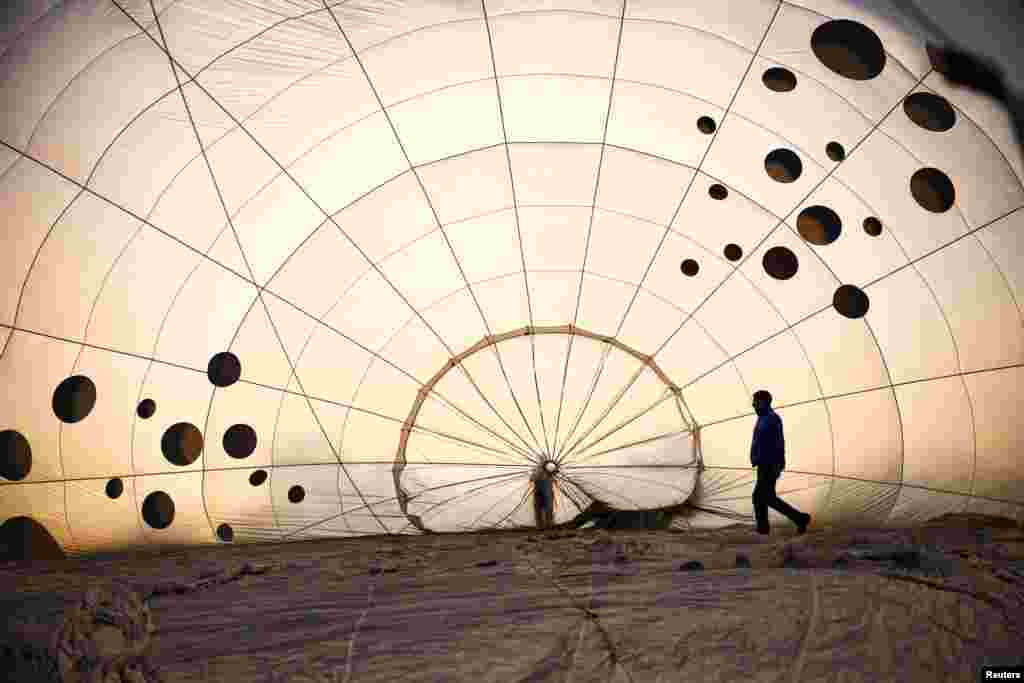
(768, 455)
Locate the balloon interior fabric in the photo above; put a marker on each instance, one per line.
(282, 270)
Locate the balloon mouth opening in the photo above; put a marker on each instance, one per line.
(542, 460)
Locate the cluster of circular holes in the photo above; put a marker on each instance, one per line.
(853, 51)
(706, 125)
(182, 443)
(783, 165)
(846, 47)
(818, 225)
(849, 48)
(780, 79)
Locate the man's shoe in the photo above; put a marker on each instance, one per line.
(801, 528)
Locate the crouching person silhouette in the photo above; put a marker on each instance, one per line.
(768, 455)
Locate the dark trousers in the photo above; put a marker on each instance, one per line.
(544, 515)
(765, 497)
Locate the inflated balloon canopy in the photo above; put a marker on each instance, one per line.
(283, 270)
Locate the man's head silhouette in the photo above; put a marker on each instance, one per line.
(762, 401)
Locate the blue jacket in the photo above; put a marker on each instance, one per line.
(768, 446)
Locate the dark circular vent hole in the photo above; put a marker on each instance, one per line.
(933, 190)
(225, 533)
(718, 192)
(849, 48)
(182, 443)
(15, 455)
(74, 399)
(706, 125)
(224, 369)
(850, 301)
(783, 165)
(115, 487)
(733, 252)
(872, 226)
(835, 151)
(819, 225)
(930, 111)
(779, 79)
(158, 510)
(689, 267)
(258, 477)
(146, 408)
(240, 441)
(296, 494)
(780, 262)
